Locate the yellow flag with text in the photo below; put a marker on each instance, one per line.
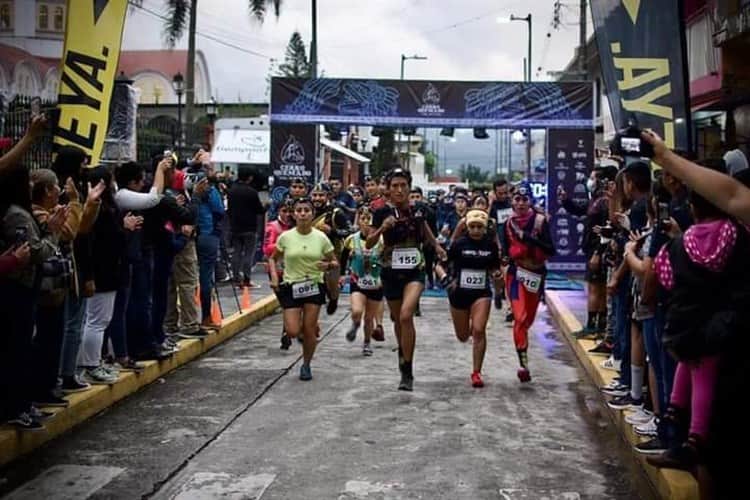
(93, 34)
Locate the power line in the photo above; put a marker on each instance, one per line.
(201, 34)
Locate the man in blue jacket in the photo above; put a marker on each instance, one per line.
(210, 213)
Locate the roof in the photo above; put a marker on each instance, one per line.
(344, 150)
(10, 56)
(166, 62)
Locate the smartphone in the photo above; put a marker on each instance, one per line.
(22, 235)
(36, 106)
(663, 214)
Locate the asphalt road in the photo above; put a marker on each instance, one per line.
(239, 424)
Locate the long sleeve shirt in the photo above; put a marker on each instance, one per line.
(210, 210)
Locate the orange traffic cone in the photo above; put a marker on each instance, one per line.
(215, 312)
(245, 303)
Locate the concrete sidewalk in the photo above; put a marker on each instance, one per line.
(569, 311)
(84, 405)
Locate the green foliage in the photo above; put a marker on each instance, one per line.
(383, 157)
(296, 63)
(430, 162)
(473, 174)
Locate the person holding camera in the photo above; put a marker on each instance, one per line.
(596, 215)
(19, 291)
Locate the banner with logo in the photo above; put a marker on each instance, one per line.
(644, 65)
(87, 73)
(570, 157)
(292, 153)
(423, 103)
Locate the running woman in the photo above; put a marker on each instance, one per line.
(529, 247)
(365, 286)
(274, 229)
(405, 231)
(307, 253)
(473, 262)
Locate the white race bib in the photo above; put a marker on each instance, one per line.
(368, 282)
(530, 281)
(405, 258)
(304, 289)
(473, 279)
(503, 214)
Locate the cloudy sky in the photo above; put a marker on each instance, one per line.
(363, 38)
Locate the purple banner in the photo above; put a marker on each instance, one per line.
(292, 155)
(425, 103)
(570, 157)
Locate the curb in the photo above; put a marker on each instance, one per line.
(84, 405)
(672, 484)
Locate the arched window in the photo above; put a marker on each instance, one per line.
(43, 18)
(59, 19)
(6, 18)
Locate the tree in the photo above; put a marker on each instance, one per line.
(296, 64)
(181, 12)
(430, 160)
(472, 174)
(383, 156)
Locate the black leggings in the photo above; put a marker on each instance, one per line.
(429, 265)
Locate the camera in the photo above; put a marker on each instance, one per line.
(57, 266)
(607, 232)
(628, 142)
(22, 235)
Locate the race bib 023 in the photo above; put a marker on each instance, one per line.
(473, 279)
(530, 281)
(405, 258)
(304, 289)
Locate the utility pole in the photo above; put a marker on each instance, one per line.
(190, 70)
(314, 42)
(582, 52)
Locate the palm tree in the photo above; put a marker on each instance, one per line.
(185, 11)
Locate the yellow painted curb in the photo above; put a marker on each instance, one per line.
(15, 443)
(672, 484)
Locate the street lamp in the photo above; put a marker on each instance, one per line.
(527, 77)
(408, 140)
(211, 113)
(178, 84)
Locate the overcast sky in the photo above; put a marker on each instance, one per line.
(365, 38)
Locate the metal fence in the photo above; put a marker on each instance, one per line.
(154, 135)
(15, 116)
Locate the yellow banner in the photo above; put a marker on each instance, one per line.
(93, 34)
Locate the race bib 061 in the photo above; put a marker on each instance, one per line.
(473, 279)
(368, 282)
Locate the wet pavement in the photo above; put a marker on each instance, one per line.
(238, 423)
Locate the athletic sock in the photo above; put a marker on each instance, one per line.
(523, 358)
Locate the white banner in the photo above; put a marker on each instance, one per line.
(242, 146)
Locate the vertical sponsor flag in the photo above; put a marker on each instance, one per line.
(92, 50)
(570, 156)
(643, 59)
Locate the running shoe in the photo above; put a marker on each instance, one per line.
(24, 422)
(366, 349)
(603, 348)
(406, 384)
(351, 334)
(71, 384)
(611, 364)
(615, 388)
(653, 446)
(333, 304)
(39, 415)
(524, 375)
(509, 318)
(625, 402)
(584, 333)
(648, 429)
(476, 380)
(305, 372)
(286, 342)
(640, 416)
(378, 334)
(498, 301)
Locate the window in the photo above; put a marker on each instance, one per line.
(43, 18)
(6, 16)
(59, 19)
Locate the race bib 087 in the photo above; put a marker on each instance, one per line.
(304, 289)
(405, 258)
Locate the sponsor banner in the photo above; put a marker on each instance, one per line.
(643, 60)
(570, 155)
(242, 146)
(420, 103)
(87, 73)
(292, 154)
